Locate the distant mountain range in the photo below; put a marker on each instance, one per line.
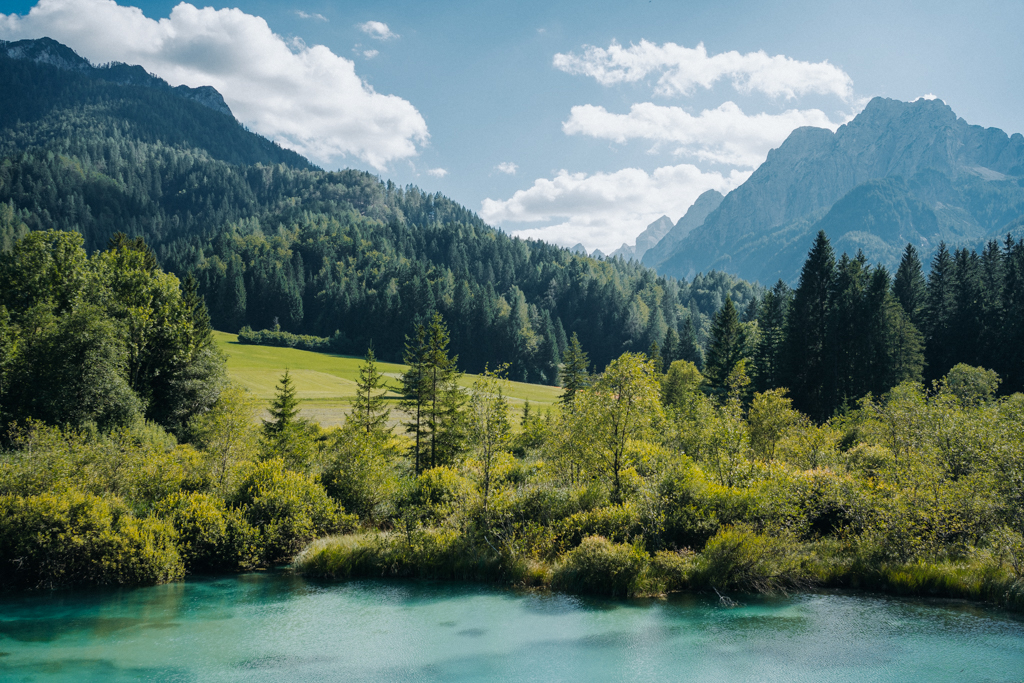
(899, 172)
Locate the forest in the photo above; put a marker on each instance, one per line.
(644, 479)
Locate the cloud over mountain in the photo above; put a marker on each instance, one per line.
(306, 98)
(683, 69)
(597, 207)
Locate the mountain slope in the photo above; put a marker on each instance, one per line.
(969, 177)
(312, 251)
(645, 240)
(693, 218)
(51, 93)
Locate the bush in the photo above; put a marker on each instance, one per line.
(306, 342)
(599, 567)
(289, 508)
(617, 523)
(739, 559)
(211, 537)
(77, 539)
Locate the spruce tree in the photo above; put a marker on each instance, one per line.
(654, 355)
(575, 376)
(670, 349)
(689, 349)
(809, 368)
(284, 408)
(415, 394)
(909, 286)
(726, 348)
(444, 397)
(369, 411)
(768, 358)
(940, 313)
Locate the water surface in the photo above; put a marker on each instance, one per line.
(279, 627)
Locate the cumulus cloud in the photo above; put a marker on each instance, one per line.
(307, 15)
(604, 209)
(370, 54)
(437, 172)
(724, 135)
(683, 69)
(507, 167)
(306, 98)
(378, 30)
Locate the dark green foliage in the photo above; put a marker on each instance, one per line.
(727, 347)
(600, 567)
(305, 342)
(211, 536)
(369, 411)
(575, 370)
(909, 286)
(769, 358)
(284, 409)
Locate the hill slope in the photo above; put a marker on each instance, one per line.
(274, 240)
(945, 180)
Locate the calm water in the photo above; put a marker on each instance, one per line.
(278, 627)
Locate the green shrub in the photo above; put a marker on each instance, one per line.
(695, 508)
(671, 570)
(618, 523)
(211, 536)
(739, 559)
(78, 539)
(441, 492)
(289, 508)
(599, 567)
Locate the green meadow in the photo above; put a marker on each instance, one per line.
(326, 383)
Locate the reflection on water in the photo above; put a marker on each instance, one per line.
(279, 627)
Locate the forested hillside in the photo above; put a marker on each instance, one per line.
(272, 240)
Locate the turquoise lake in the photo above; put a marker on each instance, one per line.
(279, 627)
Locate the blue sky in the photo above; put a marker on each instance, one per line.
(449, 96)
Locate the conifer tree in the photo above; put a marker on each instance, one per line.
(575, 367)
(284, 408)
(940, 313)
(654, 355)
(768, 354)
(909, 285)
(726, 348)
(670, 349)
(369, 410)
(415, 394)
(809, 367)
(444, 398)
(689, 349)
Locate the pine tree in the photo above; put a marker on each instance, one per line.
(415, 394)
(909, 286)
(689, 349)
(670, 349)
(768, 354)
(284, 408)
(369, 410)
(726, 348)
(444, 398)
(940, 313)
(654, 354)
(575, 365)
(810, 370)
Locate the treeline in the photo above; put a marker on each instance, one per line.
(319, 253)
(850, 329)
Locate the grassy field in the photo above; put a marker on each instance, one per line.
(326, 383)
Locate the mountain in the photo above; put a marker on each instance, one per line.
(51, 93)
(898, 172)
(271, 240)
(645, 240)
(693, 218)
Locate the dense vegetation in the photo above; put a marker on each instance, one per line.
(851, 330)
(317, 253)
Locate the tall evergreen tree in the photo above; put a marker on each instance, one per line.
(575, 370)
(768, 354)
(810, 367)
(940, 314)
(726, 348)
(284, 408)
(689, 348)
(416, 394)
(909, 285)
(670, 349)
(369, 410)
(444, 397)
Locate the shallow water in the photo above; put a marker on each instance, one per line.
(279, 627)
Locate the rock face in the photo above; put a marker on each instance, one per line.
(645, 240)
(693, 218)
(49, 51)
(899, 172)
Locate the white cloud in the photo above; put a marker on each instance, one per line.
(378, 30)
(307, 15)
(370, 54)
(604, 209)
(724, 135)
(306, 98)
(683, 69)
(437, 172)
(929, 96)
(507, 167)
